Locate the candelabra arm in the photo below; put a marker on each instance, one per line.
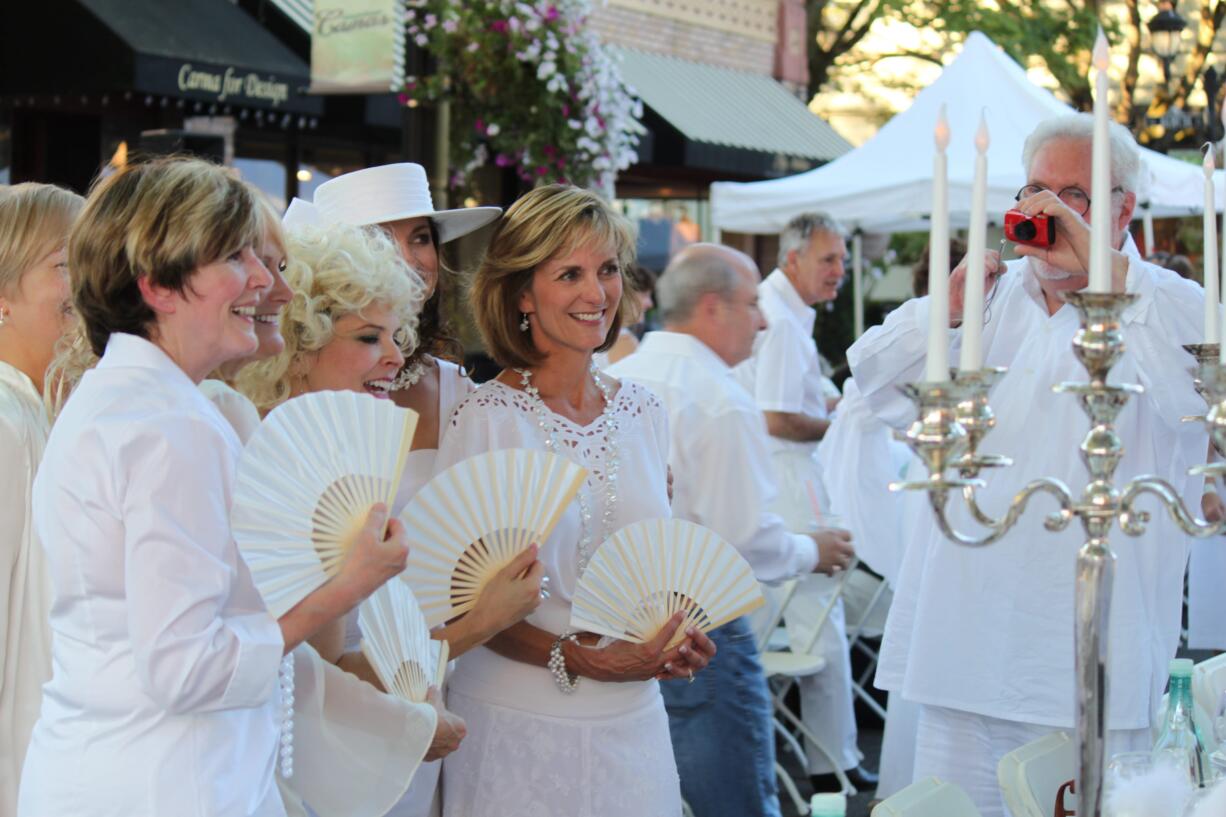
(1134, 521)
(1056, 521)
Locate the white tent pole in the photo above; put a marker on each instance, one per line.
(857, 283)
(1147, 229)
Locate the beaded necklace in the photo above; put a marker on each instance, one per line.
(553, 445)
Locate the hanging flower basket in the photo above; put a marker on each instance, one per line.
(530, 88)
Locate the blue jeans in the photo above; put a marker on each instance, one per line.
(722, 733)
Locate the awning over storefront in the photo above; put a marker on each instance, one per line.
(726, 119)
(205, 50)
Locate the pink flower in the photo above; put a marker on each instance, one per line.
(565, 110)
(551, 14)
(499, 25)
(503, 160)
(549, 150)
(403, 99)
(479, 125)
(542, 171)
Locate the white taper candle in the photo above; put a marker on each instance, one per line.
(1100, 185)
(937, 364)
(1210, 265)
(976, 247)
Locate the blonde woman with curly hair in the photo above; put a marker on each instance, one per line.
(35, 308)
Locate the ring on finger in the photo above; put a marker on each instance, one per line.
(691, 676)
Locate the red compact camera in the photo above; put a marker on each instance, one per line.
(1037, 231)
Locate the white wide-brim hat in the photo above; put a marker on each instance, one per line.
(300, 213)
(377, 195)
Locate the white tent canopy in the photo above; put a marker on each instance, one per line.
(886, 184)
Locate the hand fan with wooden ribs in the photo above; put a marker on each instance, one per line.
(397, 643)
(646, 572)
(478, 515)
(306, 481)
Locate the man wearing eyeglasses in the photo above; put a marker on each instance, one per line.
(982, 638)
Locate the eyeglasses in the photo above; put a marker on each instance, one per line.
(1074, 197)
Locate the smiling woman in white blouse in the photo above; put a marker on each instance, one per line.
(560, 724)
(164, 696)
(35, 309)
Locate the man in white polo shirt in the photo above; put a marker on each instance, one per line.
(718, 450)
(785, 378)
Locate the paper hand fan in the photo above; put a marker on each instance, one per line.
(396, 641)
(478, 515)
(646, 572)
(306, 481)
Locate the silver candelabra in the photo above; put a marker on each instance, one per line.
(954, 417)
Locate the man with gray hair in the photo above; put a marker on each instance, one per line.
(785, 377)
(982, 638)
(721, 725)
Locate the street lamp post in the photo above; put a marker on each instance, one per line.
(1165, 31)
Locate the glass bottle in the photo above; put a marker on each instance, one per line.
(1179, 742)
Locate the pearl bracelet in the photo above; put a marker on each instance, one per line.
(568, 682)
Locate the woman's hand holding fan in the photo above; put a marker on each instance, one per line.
(449, 730)
(662, 583)
(630, 661)
(510, 596)
(379, 553)
(473, 520)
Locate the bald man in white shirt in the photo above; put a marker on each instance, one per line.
(718, 451)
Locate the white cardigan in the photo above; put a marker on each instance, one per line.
(25, 595)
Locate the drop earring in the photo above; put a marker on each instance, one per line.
(523, 322)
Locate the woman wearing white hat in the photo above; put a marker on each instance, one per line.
(397, 198)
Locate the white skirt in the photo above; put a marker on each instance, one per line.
(524, 764)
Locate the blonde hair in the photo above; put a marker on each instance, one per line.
(73, 358)
(162, 219)
(334, 271)
(34, 221)
(544, 223)
(267, 222)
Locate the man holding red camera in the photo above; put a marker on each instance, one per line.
(982, 638)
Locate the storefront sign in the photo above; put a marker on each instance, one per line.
(232, 85)
(357, 46)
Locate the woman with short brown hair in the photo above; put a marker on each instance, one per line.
(559, 722)
(165, 695)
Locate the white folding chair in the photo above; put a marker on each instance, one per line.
(784, 668)
(1035, 776)
(866, 601)
(1208, 684)
(927, 798)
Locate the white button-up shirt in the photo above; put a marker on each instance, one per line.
(718, 452)
(163, 699)
(25, 595)
(784, 374)
(990, 630)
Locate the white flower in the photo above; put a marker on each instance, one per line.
(472, 47)
(492, 129)
(422, 40)
(546, 70)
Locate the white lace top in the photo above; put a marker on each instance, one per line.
(497, 416)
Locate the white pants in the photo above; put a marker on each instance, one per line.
(826, 703)
(897, 746)
(965, 748)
